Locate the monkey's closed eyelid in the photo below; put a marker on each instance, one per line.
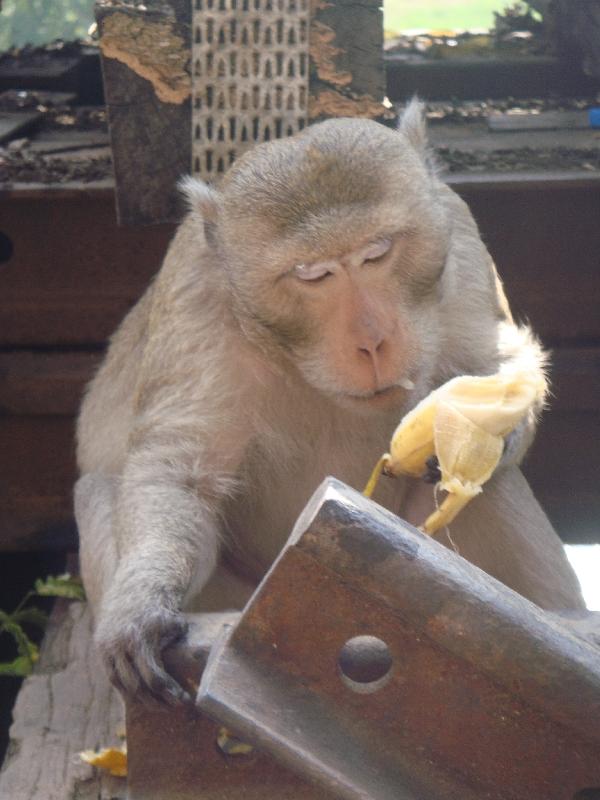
(376, 250)
(312, 272)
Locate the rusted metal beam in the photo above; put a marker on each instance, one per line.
(464, 690)
(374, 664)
(175, 754)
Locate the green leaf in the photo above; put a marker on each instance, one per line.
(25, 646)
(60, 586)
(31, 616)
(21, 667)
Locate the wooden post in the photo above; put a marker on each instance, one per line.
(145, 62)
(191, 84)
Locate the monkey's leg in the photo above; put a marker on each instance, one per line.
(95, 497)
(505, 532)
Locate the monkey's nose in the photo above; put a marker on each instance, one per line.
(372, 352)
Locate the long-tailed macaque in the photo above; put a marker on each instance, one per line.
(326, 286)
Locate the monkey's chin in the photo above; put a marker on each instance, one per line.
(379, 401)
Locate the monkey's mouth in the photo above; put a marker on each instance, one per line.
(404, 384)
(388, 392)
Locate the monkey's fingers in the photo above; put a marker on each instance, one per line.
(134, 659)
(432, 472)
(158, 684)
(142, 676)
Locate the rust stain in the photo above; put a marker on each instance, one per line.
(330, 103)
(323, 53)
(152, 50)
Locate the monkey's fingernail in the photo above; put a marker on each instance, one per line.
(407, 384)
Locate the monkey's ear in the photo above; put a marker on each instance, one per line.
(412, 125)
(201, 198)
(202, 202)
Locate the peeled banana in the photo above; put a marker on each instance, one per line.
(463, 423)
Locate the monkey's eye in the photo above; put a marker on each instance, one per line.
(313, 272)
(376, 250)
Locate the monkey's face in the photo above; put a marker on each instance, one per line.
(334, 245)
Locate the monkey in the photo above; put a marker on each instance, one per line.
(327, 284)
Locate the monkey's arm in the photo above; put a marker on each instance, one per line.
(179, 468)
(186, 430)
(167, 543)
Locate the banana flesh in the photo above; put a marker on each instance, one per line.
(463, 423)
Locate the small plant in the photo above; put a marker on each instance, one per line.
(27, 651)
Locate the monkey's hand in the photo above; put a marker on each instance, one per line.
(131, 640)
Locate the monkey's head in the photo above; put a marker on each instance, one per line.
(333, 243)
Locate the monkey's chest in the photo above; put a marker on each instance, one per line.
(277, 485)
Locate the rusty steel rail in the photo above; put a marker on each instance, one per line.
(468, 690)
(374, 664)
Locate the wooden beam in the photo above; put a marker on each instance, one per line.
(48, 384)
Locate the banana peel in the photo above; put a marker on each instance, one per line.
(111, 759)
(463, 423)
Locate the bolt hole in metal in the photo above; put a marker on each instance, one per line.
(587, 794)
(6, 248)
(365, 664)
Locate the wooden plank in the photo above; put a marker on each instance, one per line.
(66, 706)
(563, 468)
(54, 142)
(37, 465)
(549, 181)
(477, 78)
(545, 245)
(575, 380)
(34, 383)
(74, 273)
(541, 121)
(13, 123)
(477, 139)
